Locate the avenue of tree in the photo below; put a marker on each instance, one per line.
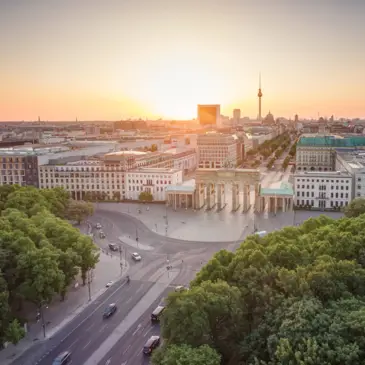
(293, 297)
(40, 252)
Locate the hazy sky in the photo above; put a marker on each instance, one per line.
(109, 59)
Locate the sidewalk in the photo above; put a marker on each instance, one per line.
(58, 314)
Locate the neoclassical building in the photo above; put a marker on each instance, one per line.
(210, 188)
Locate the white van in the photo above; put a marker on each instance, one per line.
(261, 233)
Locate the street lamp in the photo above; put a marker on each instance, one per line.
(40, 316)
(90, 275)
(137, 238)
(121, 258)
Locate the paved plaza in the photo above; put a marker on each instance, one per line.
(209, 226)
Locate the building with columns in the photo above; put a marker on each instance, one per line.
(276, 199)
(210, 188)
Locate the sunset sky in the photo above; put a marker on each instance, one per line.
(113, 59)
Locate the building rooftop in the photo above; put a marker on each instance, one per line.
(323, 174)
(121, 153)
(355, 159)
(177, 150)
(187, 186)
(332, 141)
(154, 170)
(285, 188)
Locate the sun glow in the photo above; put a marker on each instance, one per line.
(177, 87)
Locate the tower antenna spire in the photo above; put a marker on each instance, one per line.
(259, 95)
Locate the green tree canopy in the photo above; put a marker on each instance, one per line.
(79, 210)
(40, 253)
(186, 355)
(355, 208)
(145, 196)
(295, 296)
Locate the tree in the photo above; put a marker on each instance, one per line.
(88, 255)
(79, 210)
(10, 329)
(153, 148)
(186, 355)
(187, 140)
(28, 200)
(43, 279)
(295, 296)
(145, 196)
(40, 253)
(355, 208)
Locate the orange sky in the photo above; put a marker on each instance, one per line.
(117, 59)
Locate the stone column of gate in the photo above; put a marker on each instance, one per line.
(258, 208)
(235, 196)
(219, 195)
(246, 197)
(284, 204)
(209, 195)
(213, 192)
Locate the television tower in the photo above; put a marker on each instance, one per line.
(259, 95)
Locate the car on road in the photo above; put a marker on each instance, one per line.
(136, 256)
(109, 284)
(113, 246)
(98, 226)
(181, 288)
(63, 358)
(102, 234)
(157, 313)
(109, 310)
(152, 343)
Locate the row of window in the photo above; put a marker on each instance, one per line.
(141, 188)
(324, 187)
(322, 195)
(322, 180)
(332, 204)
(149, 182)
(83, 187)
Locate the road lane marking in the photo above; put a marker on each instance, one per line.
(126, 350)
(87, 345)
(89, 328)
(108, 361)
(137, 329)
(103, 328)
(130, 299)
(140, 288)
(94, 311)
(147, 332)
(129, 321)
(73, 343)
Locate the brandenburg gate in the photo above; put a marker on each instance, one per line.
(210, 187)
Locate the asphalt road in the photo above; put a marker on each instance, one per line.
(88, 329)
(128, 350)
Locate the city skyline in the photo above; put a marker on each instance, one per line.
(119, 59)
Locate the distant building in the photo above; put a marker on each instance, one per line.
(319, 153)
(217, 150)
(236, 116)
(209, 115)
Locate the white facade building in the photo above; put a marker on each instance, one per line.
(84, 179)
(323, 190)
(184, 159)
(354, 163)
(152, 180)
(217, 150)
